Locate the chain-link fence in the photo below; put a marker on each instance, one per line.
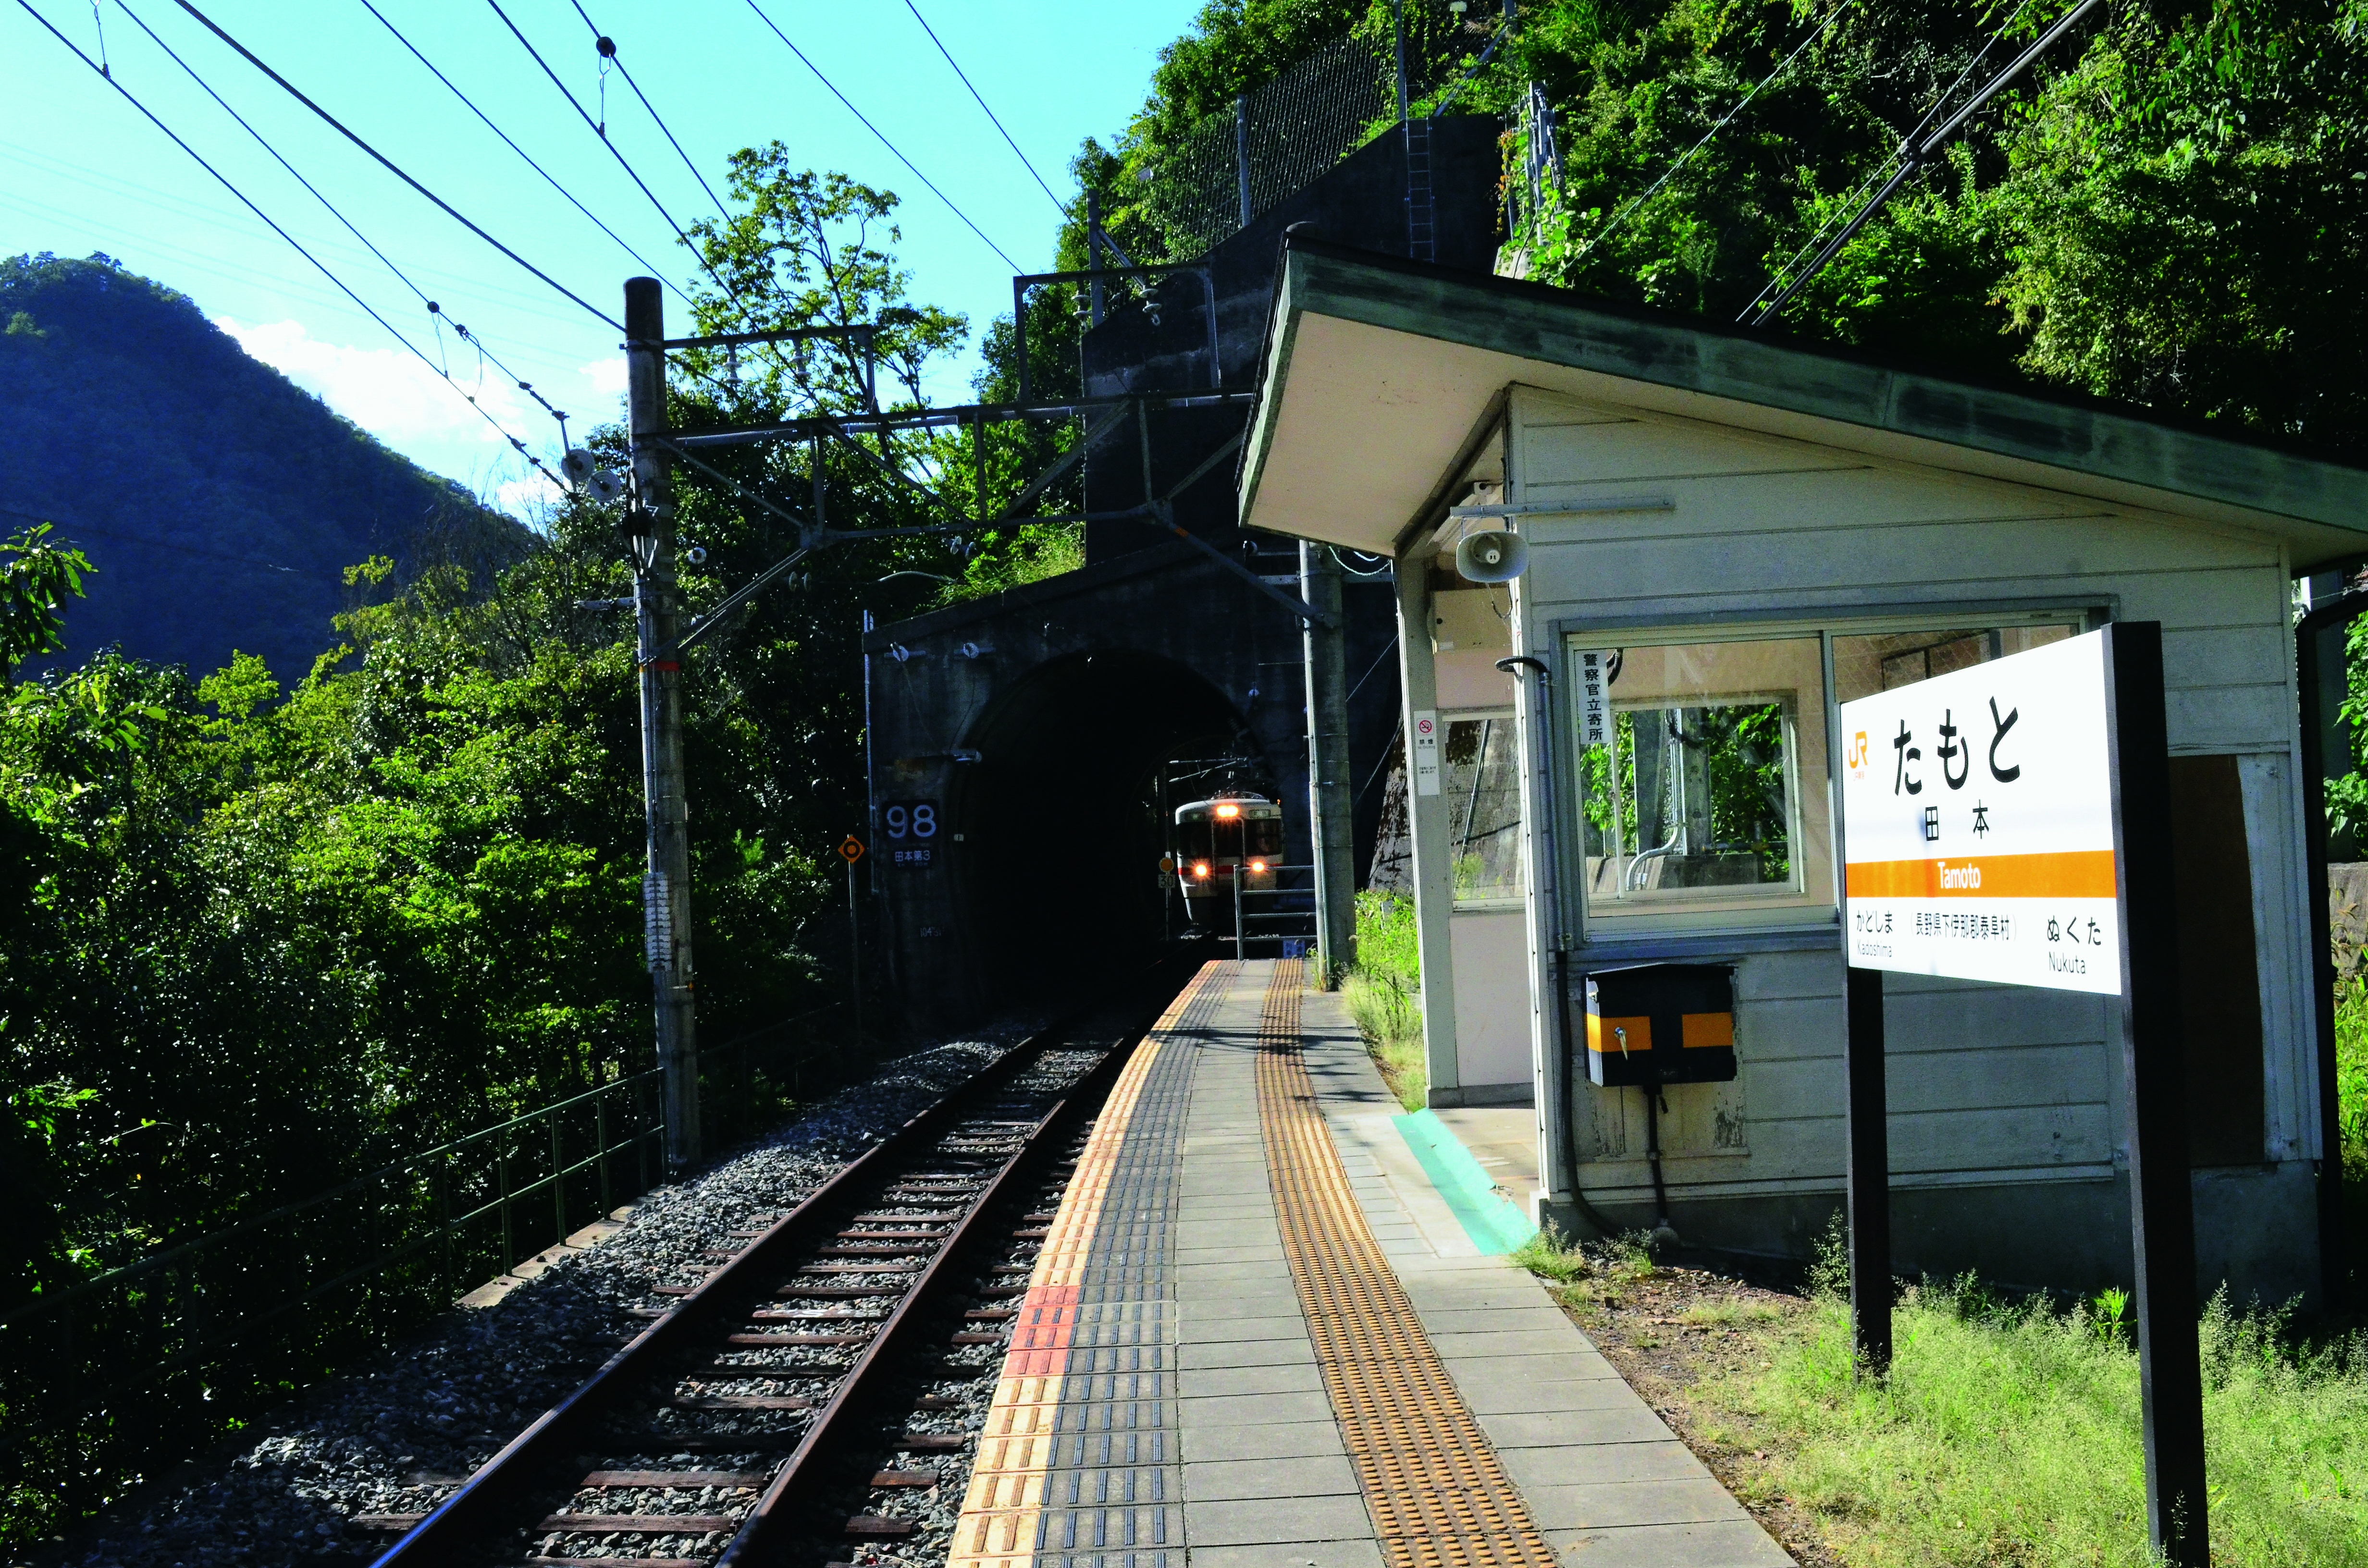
(1278, 137)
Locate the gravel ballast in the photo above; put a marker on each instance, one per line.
(395, 1438)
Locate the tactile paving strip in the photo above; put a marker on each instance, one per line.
(1438, 1496)
(1078, 1466)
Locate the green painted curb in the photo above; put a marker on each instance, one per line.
(1492, 1222)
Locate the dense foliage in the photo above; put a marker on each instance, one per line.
(2170, 210)
(270, 927)
(219, 502)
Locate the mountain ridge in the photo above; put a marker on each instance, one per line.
(219, 502)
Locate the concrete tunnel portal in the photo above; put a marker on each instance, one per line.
(1062, 815)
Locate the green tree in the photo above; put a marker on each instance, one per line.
(36, 579)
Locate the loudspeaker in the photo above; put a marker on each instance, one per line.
(1492, 557)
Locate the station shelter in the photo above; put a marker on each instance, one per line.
(1726, 534)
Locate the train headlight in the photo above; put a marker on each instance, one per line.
(1229, 811)
(1202, 869)
(1258, 865)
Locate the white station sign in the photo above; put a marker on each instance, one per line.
(1978, 823)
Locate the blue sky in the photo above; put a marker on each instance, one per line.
(80, 170)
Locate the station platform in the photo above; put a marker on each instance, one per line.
(1260, 1332)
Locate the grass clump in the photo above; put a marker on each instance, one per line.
(1032, 553)
(1549, 1256)
(2351, 1077)
(2009, 1434)
(1382, 993)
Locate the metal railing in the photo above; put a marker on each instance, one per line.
(1296, 913)
(207, 1331)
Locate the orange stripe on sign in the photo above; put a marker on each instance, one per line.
(2069, 873)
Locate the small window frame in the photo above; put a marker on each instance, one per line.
(1787, 924)
(1508, 716)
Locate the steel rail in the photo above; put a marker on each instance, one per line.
(784, 1498)
(551, 1442)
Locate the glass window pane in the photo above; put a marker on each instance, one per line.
(1887, 661)
(1480, 777)
(1265, 837)
(1707, 796)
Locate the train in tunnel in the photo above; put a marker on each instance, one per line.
(1226, 838)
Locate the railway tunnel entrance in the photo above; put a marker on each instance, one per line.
(1063, 817)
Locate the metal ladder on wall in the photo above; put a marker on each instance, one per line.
(1422, 243)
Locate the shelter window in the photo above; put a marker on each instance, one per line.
(1887, 661)
(1704, 787)
(1703, 792)
(1480, 777)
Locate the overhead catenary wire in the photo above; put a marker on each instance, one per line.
(599, 130)
(548, 177)
(608, 48)
(434, 309)
(261, 141)
(384, 161)
(1687, 156)
(1916, 150)
(1061, 206)
(593, 125)
(293, 243)
(882, 136)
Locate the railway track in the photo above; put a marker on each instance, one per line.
(721, 1436)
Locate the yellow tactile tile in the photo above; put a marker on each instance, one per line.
(1437, 1495)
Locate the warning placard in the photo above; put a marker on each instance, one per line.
(1978, 823)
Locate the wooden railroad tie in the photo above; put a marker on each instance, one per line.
(658, 1480)
(638, 1524)
(876, 1526)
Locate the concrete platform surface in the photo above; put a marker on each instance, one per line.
(1241, 1452)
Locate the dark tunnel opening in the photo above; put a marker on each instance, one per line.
(1061, 817)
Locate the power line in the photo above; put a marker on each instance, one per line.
(1016, 152)
(1909, 156)
(521, 152)
(1786, 64)
(388, 163)
(608, 48)
(434, 309)
(875, 131)
(601, 132)
(260, 141)
(593, 126)
(318, 264)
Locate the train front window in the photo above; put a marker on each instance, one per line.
(1265, 836)
(1195, 840)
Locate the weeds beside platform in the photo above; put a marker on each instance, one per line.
(1384, 994)
(2006, 1434)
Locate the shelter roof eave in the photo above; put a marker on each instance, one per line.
(1379, 375)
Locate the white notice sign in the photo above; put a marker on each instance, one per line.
(1978, 821)
(1594, 697)
(1425, 751)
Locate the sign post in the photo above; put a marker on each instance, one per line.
(2010, 822)
(851, 850)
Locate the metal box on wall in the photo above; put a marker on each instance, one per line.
(1663, 1023)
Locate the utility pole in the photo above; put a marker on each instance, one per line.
(666, 886)
(1332, 822)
